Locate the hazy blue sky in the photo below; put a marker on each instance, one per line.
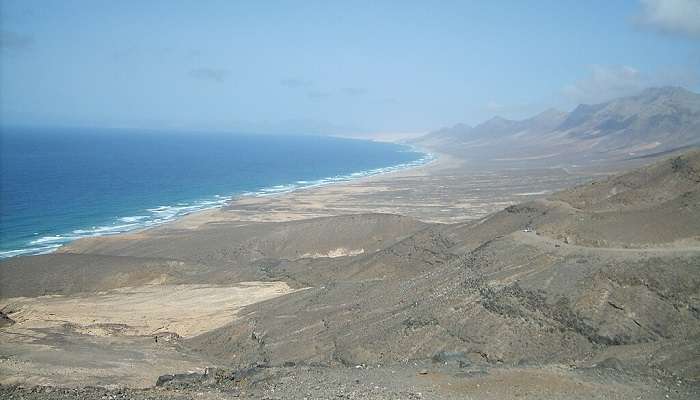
(332, 66)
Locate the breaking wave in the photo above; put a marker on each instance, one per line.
(155, 216)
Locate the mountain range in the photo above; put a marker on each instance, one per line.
(655, 121)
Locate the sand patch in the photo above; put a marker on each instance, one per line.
(187, 310)
(339, 252)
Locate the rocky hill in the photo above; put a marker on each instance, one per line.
(595, 289)
(562, 280)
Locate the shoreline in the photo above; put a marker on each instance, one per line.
(226, 213)
(445, 190)
(207, 206)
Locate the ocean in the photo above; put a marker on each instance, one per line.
(61, 184)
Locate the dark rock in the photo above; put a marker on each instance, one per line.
(419, 322)
(611, 363)
(163, 379)
(186, 380)
(458, 358)
(5, 320)
(521, 209)
(523, 362)
(245, 373)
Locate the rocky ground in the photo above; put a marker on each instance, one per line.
(592, 292)
(419, 380)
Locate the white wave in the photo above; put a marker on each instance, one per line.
(29, 251)
(302, 184)
(46, 239)
(135, 218)
(167, 213)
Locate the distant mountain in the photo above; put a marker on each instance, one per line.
(656, 120)
(498, 127)
(657, 117)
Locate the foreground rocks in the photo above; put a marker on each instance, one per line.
(5, 320)
(419, 380)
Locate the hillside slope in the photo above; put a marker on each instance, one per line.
(488, 291)
(594, 290)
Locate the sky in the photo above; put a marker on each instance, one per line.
(332, 67)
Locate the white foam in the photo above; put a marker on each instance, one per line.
(135, 218)
(47, 239)
(167, 213)
(29, 251)
(303, 184)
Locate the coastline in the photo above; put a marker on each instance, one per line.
(446, 190)
(162, 217)
(227, 211)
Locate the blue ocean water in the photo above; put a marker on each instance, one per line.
(59, 184)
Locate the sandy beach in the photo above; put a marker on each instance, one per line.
(445, 190)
